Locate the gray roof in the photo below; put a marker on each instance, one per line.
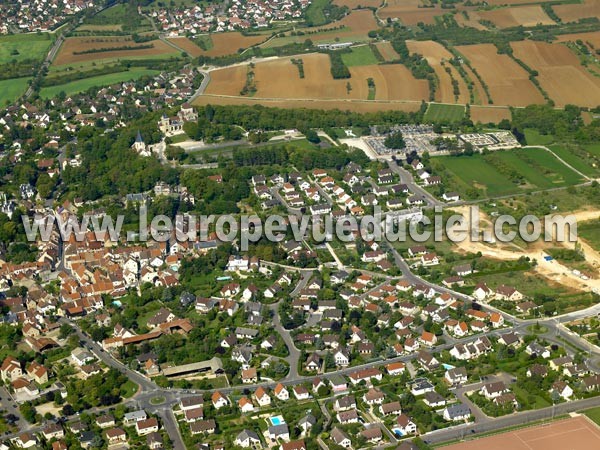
(458, 410)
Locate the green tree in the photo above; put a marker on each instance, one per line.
(395, 141)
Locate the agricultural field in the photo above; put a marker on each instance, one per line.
(489, 114)
(279, 79)
(190, 47)
(504, 173)
(102, 80)
(437, 112)
(559, 70)
(359, 56)
(410, 12)
(592, 38)
(514, 2)
(354, 27)
(223, 44)
(387, 51)
(99, 28)
(12, 89)
(590, 232)
(229, 81)
(469, 19)
(71, 50)
(20, 47)
(577, 158)
(570, 12)
(508, 83)
(526, 16)
(354, 4)
(437, 56)
(361, 106)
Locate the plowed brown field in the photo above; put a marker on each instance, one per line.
(189, 46)
(574, 12)
(527, 16)
(363, 106)
(353, 4)
(508, 83)
(589, 38)
(560, 73)
(387, 51)
(485, 114)
(279, 80)
(409, 12)
(435, 54)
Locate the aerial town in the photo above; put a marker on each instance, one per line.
(118, 333)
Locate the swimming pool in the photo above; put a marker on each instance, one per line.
(277, 420)
(448, 366)
(397, 432)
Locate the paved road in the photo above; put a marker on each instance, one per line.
(10, 407)
(294, 354)
(519, 418)
(407, 178)
(203, 85)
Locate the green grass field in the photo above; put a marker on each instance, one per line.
(575, 157)
(590, 232)
(444, 113)
(12, 89)
(314, 13)
(360, 56)
(57, 71)
(594, 149)
(20, 47)
(534, 137)
(124, 15)
(103, 80)
(593, 414)
(537, 168)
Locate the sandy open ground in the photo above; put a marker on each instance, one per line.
(552, 270)
(576, 433)
(560, 73)
(437, 56)
(78, 44)
(507, 82)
